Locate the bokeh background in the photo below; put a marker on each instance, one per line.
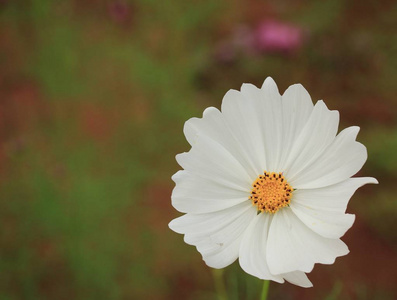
(93, 98)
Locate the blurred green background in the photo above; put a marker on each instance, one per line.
(93, 98)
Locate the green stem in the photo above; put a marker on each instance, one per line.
(265, 289)
(219, 284)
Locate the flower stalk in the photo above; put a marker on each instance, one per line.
(219, 284)
(265, 289)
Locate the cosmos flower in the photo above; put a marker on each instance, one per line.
(267, 181)
(269, 36)
(276, 36)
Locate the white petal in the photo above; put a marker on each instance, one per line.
(216, 235)
(242, 116)
(328, 224)
(251, 92)
(210, 160)
(270, 87)
(201, 224)
(252, 255)
(226, 241)
(298, 278)
(210, 124)
(254, 118)
(317, 134)
(296, 107)
(294, 247)
(323, 209)
(332, 198)
(222, 255)
(193, 194)
(214, 127)
(272, 125)
(341, 160)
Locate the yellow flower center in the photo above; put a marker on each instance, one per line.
(271, 192)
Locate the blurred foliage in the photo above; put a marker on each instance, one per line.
(94, 95)
(383, 143)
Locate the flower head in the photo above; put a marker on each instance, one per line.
(267, 181)
(276, 36)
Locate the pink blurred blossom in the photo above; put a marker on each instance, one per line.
(276, 36)
(269, 36)
(119, 11)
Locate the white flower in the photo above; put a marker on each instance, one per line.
(267, 181)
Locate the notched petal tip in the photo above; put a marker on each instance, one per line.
(269, 83)
(231, 92)
(177, 176)
(247, 86)
(297, 90)
(298, 278)
(193, 126)
(229, 99)
(179, 157)
(322, 103)
(210, 110)
(367, 180)
(269, 80)
(361, 181)
(354, 129)
(178, 224)
(171, 225)
(296, 87)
